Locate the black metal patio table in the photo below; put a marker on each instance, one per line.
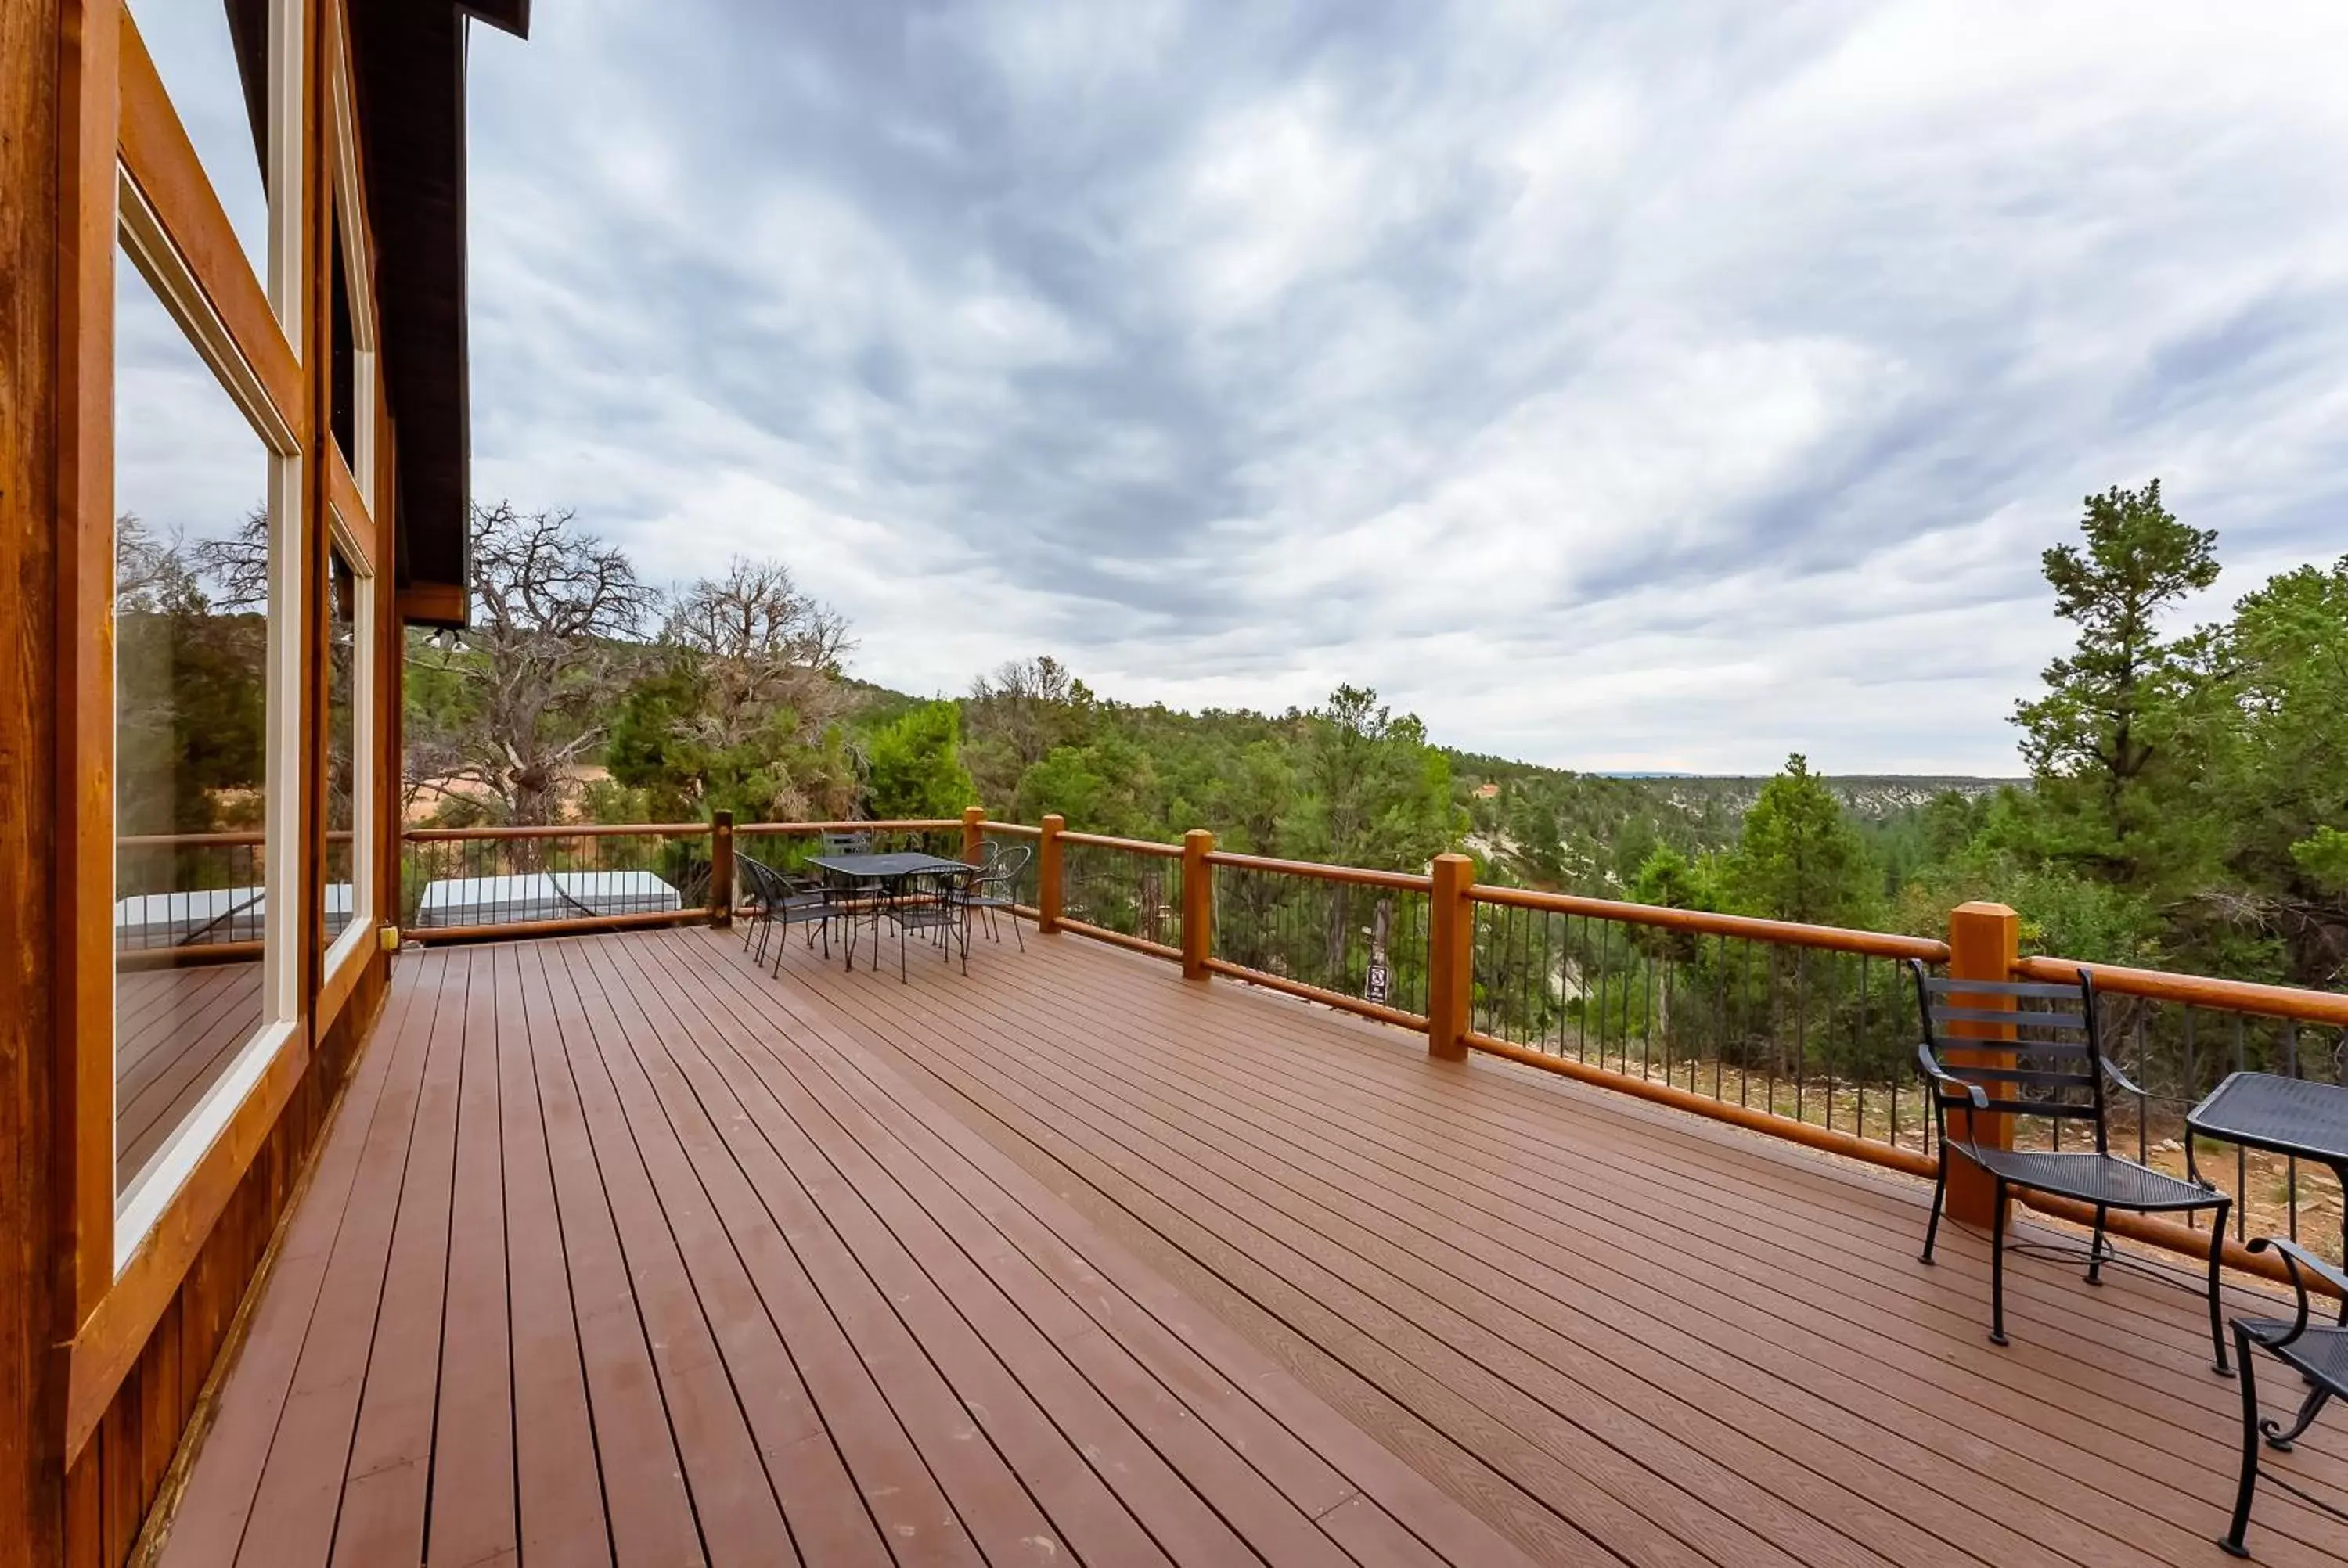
(887, 872)
(2298, 1117)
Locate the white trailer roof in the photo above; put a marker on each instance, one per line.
(543, 895)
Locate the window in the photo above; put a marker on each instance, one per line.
(349, 647)
(197, 493)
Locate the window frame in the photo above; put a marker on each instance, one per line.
(168, 223)
(351, 537)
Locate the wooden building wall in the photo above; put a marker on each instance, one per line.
(102, 1373)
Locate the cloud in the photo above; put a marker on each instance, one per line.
(1612, 385)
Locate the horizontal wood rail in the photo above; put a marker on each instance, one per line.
(132, 960)
(894, 824)
(1787, 933)
(1337, 999)
(577, 926)
(1012, 829)
(1119, 939)
(1356, 875)
(1129, 846)
(2329, 1008)
(254, 839)
(571, 830)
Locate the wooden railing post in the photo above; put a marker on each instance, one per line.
(721, 869)
(974, 834)
(1985, 944)
(1450, 955)
(1047, 874)
(1198, 903)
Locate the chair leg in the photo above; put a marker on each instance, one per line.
(2248, 1485)
(1940, 1194)
(2096, 1252)
(1997, 1269)
(2217, 1279)
(1013, 916)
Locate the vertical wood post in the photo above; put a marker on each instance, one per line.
(40, 68)
(1985, 944)
(721, 869)
(974, 834)
(1450, 955)
(1047, 874)
(1198, 903)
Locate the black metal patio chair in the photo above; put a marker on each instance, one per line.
(2317, 1352)
(2057, 1074)
(995, 888)
(782, 900)
(932, 902)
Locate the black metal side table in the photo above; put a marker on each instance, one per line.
(2292, 1116)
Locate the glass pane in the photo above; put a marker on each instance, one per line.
(342, 699)
(211, 56)
(192, 662)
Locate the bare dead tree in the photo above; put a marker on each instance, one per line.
(759, 646)
(237, 567)
(1030, 704)
(547, 649)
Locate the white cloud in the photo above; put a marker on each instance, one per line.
(1611, 386)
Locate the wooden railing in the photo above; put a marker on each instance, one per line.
(1800, 1031)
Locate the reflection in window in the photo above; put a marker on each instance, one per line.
(342, 735)
(213, 59)
(190, 736)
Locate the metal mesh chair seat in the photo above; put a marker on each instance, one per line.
(2091, 1178)
(2320, 1353)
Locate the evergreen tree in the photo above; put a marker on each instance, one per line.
(913, 768)
(1798, 857)
(2110, 736)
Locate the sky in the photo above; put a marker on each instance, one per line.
(1614, 386)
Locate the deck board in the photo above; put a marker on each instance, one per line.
(622, 1250)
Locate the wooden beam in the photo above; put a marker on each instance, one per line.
(80, 826)
(1450, 955)
(38, 78)
(434, 604)
(358, 523)
(1198, 904)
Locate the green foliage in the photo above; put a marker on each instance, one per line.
(2113, 735)
(1370, 789)
(2322, 856)
(913, 766)
(1670, 879)
(1798, 857)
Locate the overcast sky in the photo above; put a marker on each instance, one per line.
(1615, 386)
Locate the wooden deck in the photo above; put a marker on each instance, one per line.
(622, 1251)
(178, 1030)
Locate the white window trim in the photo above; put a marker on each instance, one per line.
(354, 937)
(358, 270)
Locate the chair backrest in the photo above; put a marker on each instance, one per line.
(758, 880)
(1007, 863)
(2056, 1067)
(852, 842)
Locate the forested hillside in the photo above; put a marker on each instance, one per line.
(2186, 804)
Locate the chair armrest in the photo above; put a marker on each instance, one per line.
(2297, 1259)
(2112, 1071)
(1946, 1080)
